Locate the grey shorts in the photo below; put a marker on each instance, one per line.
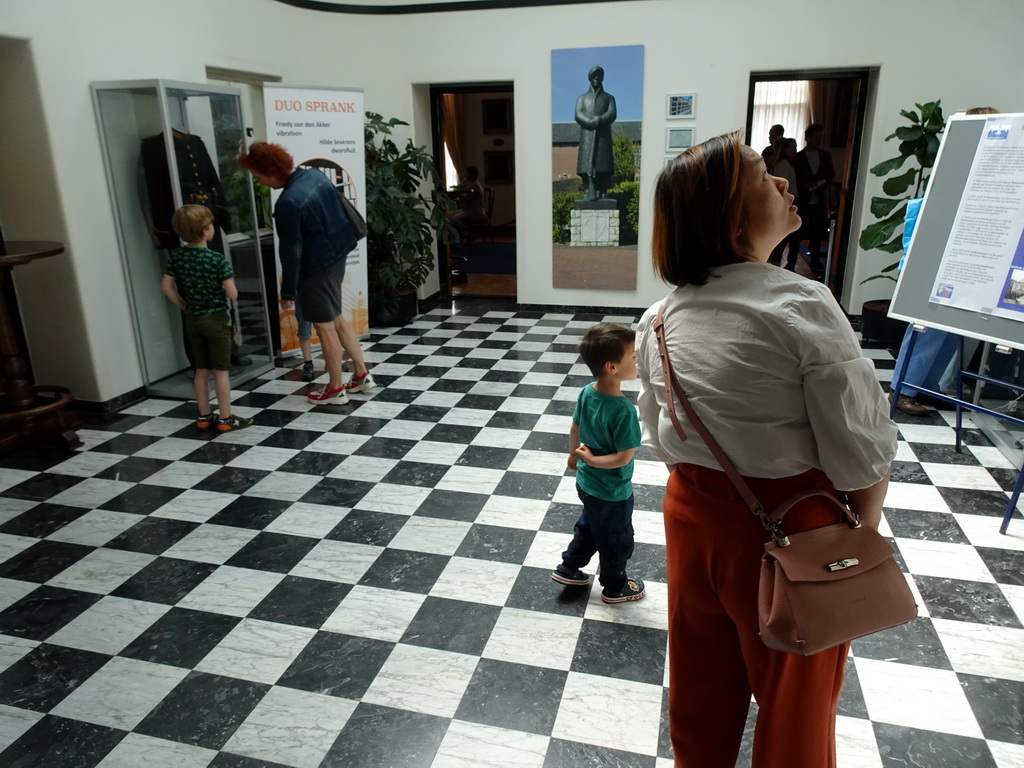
(320, 294)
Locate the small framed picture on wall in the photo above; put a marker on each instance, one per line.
(681, 105)
(499, 168)
(497, 114)
(677, 139)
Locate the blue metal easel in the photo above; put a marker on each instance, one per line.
(960, 404)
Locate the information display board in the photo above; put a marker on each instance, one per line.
(964, 270)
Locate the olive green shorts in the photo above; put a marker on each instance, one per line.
(210, 337)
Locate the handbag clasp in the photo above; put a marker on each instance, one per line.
(842, 565)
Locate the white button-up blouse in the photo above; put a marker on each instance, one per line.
(769, 362)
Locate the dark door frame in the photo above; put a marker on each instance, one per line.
(865, 75)
(436, 90)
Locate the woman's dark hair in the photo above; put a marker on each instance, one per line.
(697, 212)
(267, 160)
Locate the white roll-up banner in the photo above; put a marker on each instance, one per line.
(322, 129)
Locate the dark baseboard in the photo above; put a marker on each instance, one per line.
(581, 310)
(112, 405)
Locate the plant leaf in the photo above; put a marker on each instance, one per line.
(879, 233)
(883, 206)
(909, 132)
(888, 166)
(897, 185)
(911, 116)
(893, 246)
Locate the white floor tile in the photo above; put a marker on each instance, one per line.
(591, 702)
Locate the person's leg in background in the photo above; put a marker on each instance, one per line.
(932, 352)
(361, 380)
(305, 332)
(815, 233)
(330, 347)
(947, 383)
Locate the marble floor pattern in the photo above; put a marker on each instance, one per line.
(368, 585)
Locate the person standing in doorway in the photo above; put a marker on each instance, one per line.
(775, 134)
(315, 239)
(814, 173)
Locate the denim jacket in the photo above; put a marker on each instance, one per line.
(313, 232)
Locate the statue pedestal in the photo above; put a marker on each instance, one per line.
(594, 223)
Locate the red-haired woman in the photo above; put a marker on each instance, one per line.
(314, 239)
(772, 367)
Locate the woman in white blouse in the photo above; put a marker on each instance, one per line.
(771, 365)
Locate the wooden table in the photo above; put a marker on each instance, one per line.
(25, 419)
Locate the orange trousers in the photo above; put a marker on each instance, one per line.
(716, 658)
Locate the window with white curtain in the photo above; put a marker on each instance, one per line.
(786, 102)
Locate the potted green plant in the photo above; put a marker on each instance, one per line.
(403, 220)
(920, 141)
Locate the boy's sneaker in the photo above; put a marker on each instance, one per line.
(307, 371)
(362, 383)
(633, 589)
(576, 578)
(231, 423)
(204, 423)
(331, 396)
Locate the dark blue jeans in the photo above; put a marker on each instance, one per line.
(605, 528)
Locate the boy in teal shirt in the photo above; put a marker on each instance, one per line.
(605, 434)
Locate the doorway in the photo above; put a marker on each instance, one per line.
(473, 127)
(836, 100)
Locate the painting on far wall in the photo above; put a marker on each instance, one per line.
(596, 108)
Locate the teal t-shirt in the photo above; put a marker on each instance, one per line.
(607, 424)
(199, 274)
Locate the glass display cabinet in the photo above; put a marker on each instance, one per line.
(167, 144)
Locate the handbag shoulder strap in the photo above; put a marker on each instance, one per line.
(672, 385)
(771, 522)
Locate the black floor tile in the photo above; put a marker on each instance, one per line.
(912, 746)
(624, 651)
(142, 499)
(41, 487)
(573, 754)
(57, 742)
(961, 600)
(494, 542)
(405, 570)
(301, 602)
(362, 527)
(203, 710)
(335, 492)
(514, 696)
(43, 560)
(377, 736)
(251, 512)
(181, 637)
(44, 676)
(534, 590)
(337, 665)
(41, 520)
(165, 580)
(153, 535)
(275, 552)
(452, 505)
(452, 625)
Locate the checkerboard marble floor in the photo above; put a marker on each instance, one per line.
(368, 585)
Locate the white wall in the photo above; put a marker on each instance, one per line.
(924, 49)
